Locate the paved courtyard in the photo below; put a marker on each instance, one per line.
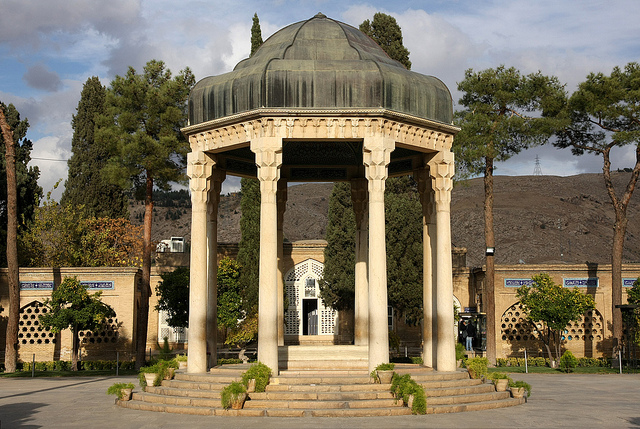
(580, 401)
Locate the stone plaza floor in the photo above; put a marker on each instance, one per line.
(558, 400)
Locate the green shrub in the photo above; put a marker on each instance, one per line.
(460, 351)
(261, 373)
(499, 376)
(477, 367)
(230, 361)
(568, 361)
(520, 383)
(417, 360)
(149, 370)
(117, 389)
(501, 362)
(165, 350)
(232, 393)
(403, 386)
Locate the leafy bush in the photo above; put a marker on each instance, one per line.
(499, 376)
(161, 369)
(259, 372)
(229, 361)
(403, 386)
(232, 393)
(477, 367)
(519, 384)
(460, 351)
(117, 389)
(568, 361)
(417, 360)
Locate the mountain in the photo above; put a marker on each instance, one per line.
(538, 219)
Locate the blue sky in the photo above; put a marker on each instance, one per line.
(49, 48)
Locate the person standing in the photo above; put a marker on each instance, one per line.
(471, 333)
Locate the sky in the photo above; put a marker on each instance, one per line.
(48, 49)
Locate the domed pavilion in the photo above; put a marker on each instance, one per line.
(321, 101)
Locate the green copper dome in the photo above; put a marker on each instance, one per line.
(320, 64)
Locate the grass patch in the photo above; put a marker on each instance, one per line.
(84, 373)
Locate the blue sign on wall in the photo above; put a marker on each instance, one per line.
(36, 285)
(628, 282)
(581, 282)
(98, 285)
(517, 282)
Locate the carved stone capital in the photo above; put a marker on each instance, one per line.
(427, 195)
(217, 177)
(376, 158)
(268, 151)
(441, 170)
(199, 169)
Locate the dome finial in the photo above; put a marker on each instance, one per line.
(320, 15)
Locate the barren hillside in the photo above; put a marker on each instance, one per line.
(537, 218)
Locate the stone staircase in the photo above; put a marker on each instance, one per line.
(318, 393)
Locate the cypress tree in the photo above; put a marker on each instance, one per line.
(85, 184)
(256, 34)
(249, 247)
(386, 32)
(337, 287)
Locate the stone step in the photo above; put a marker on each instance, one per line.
(475, 406)
(209, 378)
(322, 379)
(321, 404)
(322, 396)
(180, 409)
(464, 390)
(152, 398)
(435, 376)
(476, 397)
(193, 385)
(324, 372)
(179, 391)
(448, 383)
(327, 388)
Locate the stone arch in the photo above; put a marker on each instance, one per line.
(301, 283)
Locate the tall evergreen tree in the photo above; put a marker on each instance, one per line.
(141, 127)
(256, 34)
(386, 32)
(249, 247)
(503, 113)
(85, 184)
(337, 287)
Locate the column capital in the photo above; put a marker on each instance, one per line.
(376, 157)
(215, 184)
(426, 193)
(441, 170)
(268, 151)
(199, 169)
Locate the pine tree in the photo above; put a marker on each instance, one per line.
(386, 32)
(141, 127)
(85, 184)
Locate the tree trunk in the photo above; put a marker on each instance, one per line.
(11, 342)
(145, 292)
(619, 231)
(489, 302)
(74, 348)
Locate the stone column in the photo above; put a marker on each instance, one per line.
(217, 178)
(377, 152)
(199, 168)
(282, 206)
(441, 169)
(427, 200)
(361, 308)
(268, 151)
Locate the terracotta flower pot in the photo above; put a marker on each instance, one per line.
(385, 376)
(126, 394)
(501, 385)
(517, 392)
(239, 402)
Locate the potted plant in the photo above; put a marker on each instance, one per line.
(150, 376)
(500, 380)
(477, 367)
(182, 361)
(121, 390)
(233, 395)
(519, 387)
(411, 393)
(256, 378)
(383, 373)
